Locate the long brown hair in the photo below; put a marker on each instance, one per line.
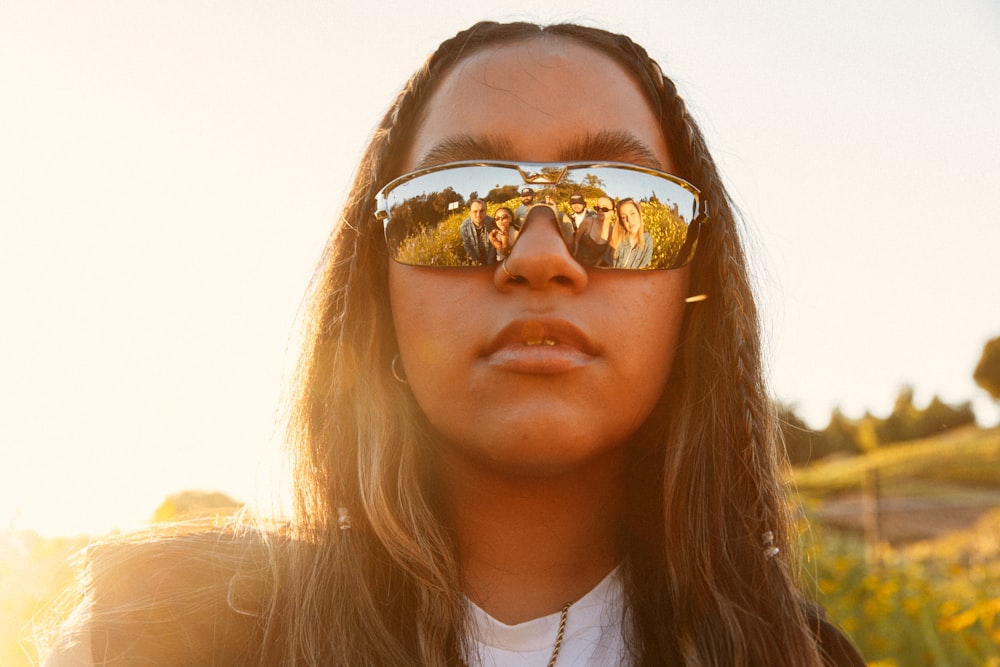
(700, 588)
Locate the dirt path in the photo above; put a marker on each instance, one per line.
(909, 518)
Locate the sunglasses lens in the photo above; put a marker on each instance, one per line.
(443, 216)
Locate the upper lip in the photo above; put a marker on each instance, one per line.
(562, 332)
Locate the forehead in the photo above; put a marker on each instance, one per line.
(534, 100)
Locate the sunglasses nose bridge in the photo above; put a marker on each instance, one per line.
(541, 257)
(545, 217)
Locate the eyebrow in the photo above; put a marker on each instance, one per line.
(467, 147)
(606, 145)
(611, 146)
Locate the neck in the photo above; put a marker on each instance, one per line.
(528, 545)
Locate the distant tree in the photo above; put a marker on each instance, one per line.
(908, 422)
(901, 423)
(987, 373)
(195, 504)
(501, 194)
(867, 432)
(938, 417)
(844, 435)
(841, 433)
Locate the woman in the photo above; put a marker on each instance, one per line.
(503, 237)
(471, 489)
(631, 244)
(594, 234)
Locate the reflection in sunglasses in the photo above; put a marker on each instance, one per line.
(424, 212)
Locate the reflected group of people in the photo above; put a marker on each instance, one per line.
(608, 235)
(487, 239)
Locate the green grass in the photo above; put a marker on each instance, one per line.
(963, 456)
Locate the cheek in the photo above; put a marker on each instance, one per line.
(440, 324)
(649, 324)
(439, 332)
(428, 318)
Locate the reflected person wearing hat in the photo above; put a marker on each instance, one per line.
(527, 199)
(569, 224)
(579, 206)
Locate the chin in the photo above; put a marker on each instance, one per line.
(542, 451)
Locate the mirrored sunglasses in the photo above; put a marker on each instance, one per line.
(429, 221)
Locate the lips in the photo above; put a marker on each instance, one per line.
(540, 346)
(548, 332)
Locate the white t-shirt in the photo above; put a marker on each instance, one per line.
(593, 635)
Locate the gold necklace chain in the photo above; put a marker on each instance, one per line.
(559, 636)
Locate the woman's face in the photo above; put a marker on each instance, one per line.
(503, 219)
(525, 374)
(605, 208)
(631, 218)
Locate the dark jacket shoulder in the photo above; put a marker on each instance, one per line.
(834, 646)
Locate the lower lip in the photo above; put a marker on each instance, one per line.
(538, 359)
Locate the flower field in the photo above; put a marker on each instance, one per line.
(930, 603)
(912, 601)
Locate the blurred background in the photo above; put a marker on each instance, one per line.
(169, 173)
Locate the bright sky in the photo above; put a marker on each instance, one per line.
(169, 172)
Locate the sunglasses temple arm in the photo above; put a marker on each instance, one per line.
(687, 250)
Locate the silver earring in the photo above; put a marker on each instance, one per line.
(695, 298)
(396, 372)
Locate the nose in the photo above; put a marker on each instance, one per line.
(540, 258)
